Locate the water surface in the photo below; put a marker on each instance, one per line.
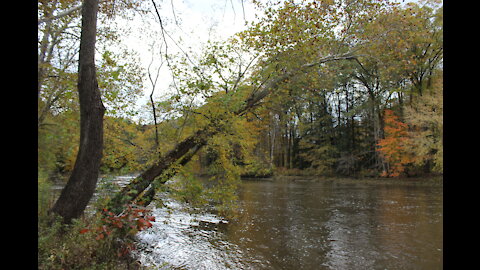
(285, 224)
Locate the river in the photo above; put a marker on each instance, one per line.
(302, 224)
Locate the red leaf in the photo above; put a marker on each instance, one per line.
(100, 236)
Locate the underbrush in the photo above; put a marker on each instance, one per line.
(65, 247)
(96, 241)
(257, 170)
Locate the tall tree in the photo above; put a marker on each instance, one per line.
(82, 182)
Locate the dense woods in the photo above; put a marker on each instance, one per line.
(323, 88)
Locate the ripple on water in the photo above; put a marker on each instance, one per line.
(302, 226)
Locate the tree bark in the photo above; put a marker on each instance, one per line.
(149, 194)
(83, 180)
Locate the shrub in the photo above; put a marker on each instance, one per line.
(100, 241)
(70, 247)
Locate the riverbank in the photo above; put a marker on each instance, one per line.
(82, 244)
(430, 180)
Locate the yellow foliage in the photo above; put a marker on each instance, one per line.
(426, 116)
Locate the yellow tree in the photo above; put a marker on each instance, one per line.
(425, 116)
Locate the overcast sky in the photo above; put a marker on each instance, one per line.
(198, 20)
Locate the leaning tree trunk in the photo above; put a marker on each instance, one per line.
(82, 182)
(136, 188)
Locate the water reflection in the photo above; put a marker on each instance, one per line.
(302, 225)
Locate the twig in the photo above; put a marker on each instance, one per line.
(166, 45)
(61, 14)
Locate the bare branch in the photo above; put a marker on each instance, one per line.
(61, 14)
(154, 84)
(243, 9)
(166, 44)
(241, 74)
(173, 11)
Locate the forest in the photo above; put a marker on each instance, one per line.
(322, 89)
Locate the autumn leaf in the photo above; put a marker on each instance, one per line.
(100, 236)
(82, 231)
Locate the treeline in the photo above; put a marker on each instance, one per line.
(377, 110)
(339, 132)
(380, 114)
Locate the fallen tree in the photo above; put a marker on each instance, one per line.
(142, 188)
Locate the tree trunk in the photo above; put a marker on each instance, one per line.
(149, 194)
(83, 180)
(272, 140)
(134, 189)
(286, 148)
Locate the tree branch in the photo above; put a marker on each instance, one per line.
(60, 15)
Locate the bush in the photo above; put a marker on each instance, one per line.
(74, 247)
(98, 241)
(257, 170)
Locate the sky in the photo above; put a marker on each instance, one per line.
(198, 20)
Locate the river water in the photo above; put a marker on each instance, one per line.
(299, 224)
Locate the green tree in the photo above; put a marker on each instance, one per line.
(119, 78)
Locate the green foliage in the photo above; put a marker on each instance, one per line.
(125, 149)
(322, 158)
(225, 175)
(119, 76)
(45, 196)
(330, 118)
(189, 189)
(58, 142)
(257, 169)
(222, 66)
(120, 82)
